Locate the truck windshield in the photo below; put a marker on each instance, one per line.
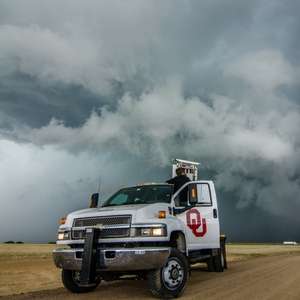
(141, 195)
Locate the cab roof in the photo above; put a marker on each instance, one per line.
(153, 183)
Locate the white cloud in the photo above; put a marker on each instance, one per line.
(38, 185)
(264, 70)
(159, 117)
(41, 184)
(53, 56)
(243, 145)
(247, 143)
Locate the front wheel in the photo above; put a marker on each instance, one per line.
(170, 280)
(71, 281)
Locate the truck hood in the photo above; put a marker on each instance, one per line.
(141, 213)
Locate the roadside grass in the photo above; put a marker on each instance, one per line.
(21, 251)
(244, 251)
(235, 251)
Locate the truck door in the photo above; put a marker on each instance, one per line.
(200, 216)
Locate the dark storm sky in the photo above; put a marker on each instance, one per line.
(118, 88)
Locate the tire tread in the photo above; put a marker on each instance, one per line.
(72, 286)
(155, 284)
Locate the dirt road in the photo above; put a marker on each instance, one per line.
(271, 277)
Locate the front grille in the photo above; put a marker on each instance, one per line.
(106, 221)
(114, 226)
(79, 234)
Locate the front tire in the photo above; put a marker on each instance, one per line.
(70, 281)
(170, 280)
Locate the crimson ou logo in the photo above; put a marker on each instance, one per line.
(194, 221)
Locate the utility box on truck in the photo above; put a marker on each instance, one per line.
(143, 231)
(190, 168)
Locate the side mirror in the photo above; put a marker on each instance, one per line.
(94, 200)
(193, 197)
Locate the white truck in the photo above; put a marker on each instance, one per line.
(143, 232)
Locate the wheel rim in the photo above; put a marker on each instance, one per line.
(173, 273)
(76, 276)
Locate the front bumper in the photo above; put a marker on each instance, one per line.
(114, 259)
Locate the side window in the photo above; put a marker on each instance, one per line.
(203, 194)
(181, 199)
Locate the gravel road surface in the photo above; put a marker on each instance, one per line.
(272, 277)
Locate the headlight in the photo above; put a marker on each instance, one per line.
(149, 231)
(158, 231)
(63, 235)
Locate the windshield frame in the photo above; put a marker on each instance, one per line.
(105, 203)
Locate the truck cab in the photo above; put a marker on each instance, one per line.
(143, 231)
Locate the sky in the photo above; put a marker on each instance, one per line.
(111, 91)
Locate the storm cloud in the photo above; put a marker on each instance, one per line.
(117, 90)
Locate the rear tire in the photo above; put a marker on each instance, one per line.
(219, 261)
(170, 280)
(210, 264)
(70, 281)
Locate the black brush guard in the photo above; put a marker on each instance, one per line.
(89, 257)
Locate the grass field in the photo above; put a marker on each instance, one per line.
(19, 251)
(246, 251)
(29, 267)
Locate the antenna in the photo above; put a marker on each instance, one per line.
(99, 184)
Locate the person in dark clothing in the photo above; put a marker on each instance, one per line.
(178, 181)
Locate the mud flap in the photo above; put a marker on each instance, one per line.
(89, 257)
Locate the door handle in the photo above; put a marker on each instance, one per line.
(215, 213)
